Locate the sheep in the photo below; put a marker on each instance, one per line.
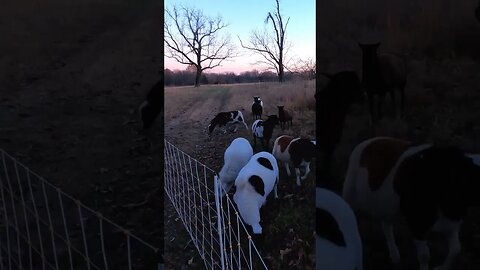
(284, 117)
(152, 106)
(298, 151)
(224, 118)
(381, 74)
(332, 104)
(263, 130)
(430, 186)
(257, 108)
(477, 11)
(253, 184)
(237, 155)
(338, 242)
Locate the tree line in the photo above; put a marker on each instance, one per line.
(188, 77)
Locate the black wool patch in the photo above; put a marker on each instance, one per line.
(257, 184)
(265, 163)
(327, 228)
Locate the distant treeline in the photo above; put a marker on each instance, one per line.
(187, 77)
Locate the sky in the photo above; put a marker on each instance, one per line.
(247, 15)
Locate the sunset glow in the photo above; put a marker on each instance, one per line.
(245, 16)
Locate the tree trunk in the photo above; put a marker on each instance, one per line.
(197, 77)
(280, 74)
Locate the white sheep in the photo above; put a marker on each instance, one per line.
(237, 155)
(338, 242)
(254, 183)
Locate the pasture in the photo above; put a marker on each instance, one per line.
(70, 75)
(442, 97)
(442, 106)
(288, 222)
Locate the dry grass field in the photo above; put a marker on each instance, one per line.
(70, 72)
(288, 223)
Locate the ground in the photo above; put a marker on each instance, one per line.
(288, 222)
(72, 74)
(442, 106)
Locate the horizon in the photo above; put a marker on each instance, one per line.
(299, 30)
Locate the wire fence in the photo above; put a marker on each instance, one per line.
(213, 222)
(42, 227)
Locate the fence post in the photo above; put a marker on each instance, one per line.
(219, 219)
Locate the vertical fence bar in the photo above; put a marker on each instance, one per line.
(219, 220)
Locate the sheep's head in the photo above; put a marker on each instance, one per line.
(348, 83)
(256, 99)
(212, 125)
(280, 108)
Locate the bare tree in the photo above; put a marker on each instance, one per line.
(193, 38)
(306, 68)
(271, 45)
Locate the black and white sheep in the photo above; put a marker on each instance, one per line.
(257, 108)
(430, 186)
(381, 74)
(224, 118)
(284, 117)
(152, 106)
(298, 151)
(236, 156)
(263, 129)
(332, 104)
(254, 183)
(338, 242)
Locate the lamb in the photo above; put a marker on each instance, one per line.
(263, 130)
(382, 73)
(284, 117)
(338, 242)
(224, 118)
(257, 108)
(152, 106)
(237, 155)
(332, 104)
(430, 186)
(298, 151)
(254, 183)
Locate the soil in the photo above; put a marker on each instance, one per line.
(71, 79)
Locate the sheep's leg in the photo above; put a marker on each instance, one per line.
(392, 97)
(392, 246)
(307, 170)
(254, 141)
(381, 99)
(370, 107)
(287, 167)
(275, 188)
(297, 175)
(423, 253)
(402, 102)
(453, 249)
